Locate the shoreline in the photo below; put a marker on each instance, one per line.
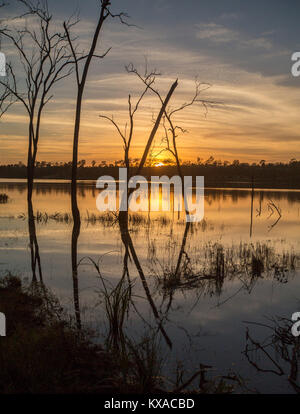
(211, 185)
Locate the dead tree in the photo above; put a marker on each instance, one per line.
(148, 79)
(165, 115)
(41, 62)
(82, 63)
(127, 133)
(171, 129)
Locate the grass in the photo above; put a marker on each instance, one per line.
(116, 303)
(140, 360)
(215, 262)
(106, 219)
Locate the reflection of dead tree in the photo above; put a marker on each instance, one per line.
(33, 244)
(252, 201)
(259, 209)
(182, 249)
(258, 347)
(207, 383)
(74, 248)
(129, 249)
(174, 279)
(272, 208)
(280, 345)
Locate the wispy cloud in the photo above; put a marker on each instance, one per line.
(258, 117)
(216, 33)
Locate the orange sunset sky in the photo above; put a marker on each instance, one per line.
(245, 58)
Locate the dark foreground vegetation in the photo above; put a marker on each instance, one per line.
(44, 352)
(216, 173)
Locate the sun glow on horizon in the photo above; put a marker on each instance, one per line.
(159, 164)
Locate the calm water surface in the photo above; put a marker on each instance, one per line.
(229, 280)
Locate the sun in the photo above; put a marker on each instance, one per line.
(159, 164)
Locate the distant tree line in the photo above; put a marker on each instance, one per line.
(216, 172)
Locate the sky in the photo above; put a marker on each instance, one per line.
(242, 49)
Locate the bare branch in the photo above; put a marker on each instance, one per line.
(132, 109)
(116, 126)
(41, 55)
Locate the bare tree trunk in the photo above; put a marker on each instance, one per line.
(156, 125)
(74, 205)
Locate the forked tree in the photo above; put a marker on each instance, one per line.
(82, 63)
(165, 118)
(171, 128)
(41, 60)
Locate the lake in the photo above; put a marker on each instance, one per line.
(235, 273)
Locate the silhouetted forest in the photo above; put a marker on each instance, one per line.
(216, 173)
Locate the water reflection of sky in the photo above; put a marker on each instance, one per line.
(216, 325)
